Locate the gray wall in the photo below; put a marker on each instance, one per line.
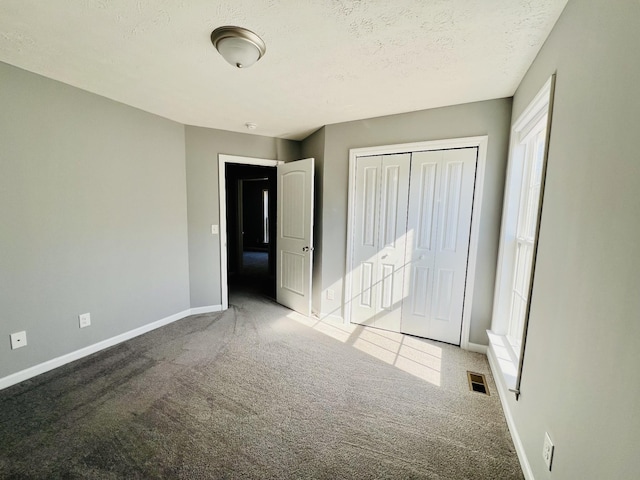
(203, 145)
(580, 380)
(483, 118)
(313, 146)
(92, 215)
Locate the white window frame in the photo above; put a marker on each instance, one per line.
(507, 337)
(265, 215)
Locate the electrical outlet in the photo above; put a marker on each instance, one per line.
(18, 339)
(85, 319)
(547, 450)
(331, 294)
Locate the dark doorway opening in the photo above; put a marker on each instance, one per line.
(251, 228)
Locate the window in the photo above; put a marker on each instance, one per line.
(524, 191)
(526, 230)
(265, 216)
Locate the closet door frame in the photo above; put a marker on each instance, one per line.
(465, 142)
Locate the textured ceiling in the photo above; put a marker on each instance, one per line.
(327, 61)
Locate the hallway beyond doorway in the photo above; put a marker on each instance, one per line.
(254, 277)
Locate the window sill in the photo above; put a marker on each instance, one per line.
(503, 359)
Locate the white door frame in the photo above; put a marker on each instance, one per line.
(222, 201)
(465, 142)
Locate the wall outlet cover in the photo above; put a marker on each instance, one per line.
(18, 339)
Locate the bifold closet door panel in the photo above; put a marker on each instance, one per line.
(365, 241)
(422, 232)
(394, 198)
(438, 229)
(382, 188)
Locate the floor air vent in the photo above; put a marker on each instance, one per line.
(477, 382)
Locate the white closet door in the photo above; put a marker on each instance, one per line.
(382, 188)
(392, 241)
(365, 243)
(438, 229)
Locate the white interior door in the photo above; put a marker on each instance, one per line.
(294, 245)
(382, 188)
(438, 226)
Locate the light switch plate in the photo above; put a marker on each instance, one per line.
(18, 339)
(215, 230)
(85, 320)
(547, 450)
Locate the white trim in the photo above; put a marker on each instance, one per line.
(477, 348)
(534, 111)
(43, 367)
(503, 394)
(474, 239)
(209, 309)
(351, 211)
(443, 144)
(331, 317)
(506, 359)
(537, 108)
(481, 143)
(223, 159)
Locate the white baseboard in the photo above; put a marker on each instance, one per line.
(43, 367)
(503, 392)
(333, 318)
(476, 347)
(328, 317)
(209, 309)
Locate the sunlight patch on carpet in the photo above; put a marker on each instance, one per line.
(412, 355)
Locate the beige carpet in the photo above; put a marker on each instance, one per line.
(259, 392)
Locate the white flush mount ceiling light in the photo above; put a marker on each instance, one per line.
(239, 46)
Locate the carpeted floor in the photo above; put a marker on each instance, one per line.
(254, 278)
(255, 263)
(259, 392)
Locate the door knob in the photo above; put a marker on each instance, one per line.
(305, 249)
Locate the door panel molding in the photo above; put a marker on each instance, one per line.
(481, 143)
